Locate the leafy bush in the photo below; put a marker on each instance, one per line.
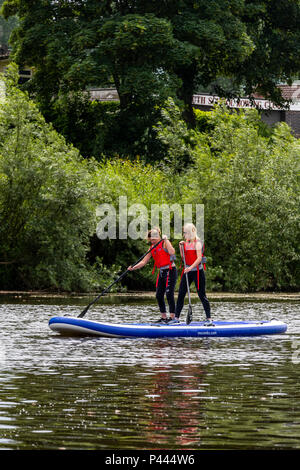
(246, 177)
(84, 123)
(140, 184)
(47, 199)
(250, 189)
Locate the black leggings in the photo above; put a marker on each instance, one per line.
(163, 288)
(192, 276)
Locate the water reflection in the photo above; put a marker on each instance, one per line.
(93, 393)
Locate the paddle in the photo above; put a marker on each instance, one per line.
(117, 280)
(189, 315)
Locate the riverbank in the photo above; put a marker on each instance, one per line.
(292, 296)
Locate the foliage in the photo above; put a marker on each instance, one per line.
(274, 29)
(46, 201)
(246, 177)
(152, 50)
(86, 124)
(179, 141)
(140, 184)
(74, 48)
(250, 189)
(6, 27)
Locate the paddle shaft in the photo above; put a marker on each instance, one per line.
(186, 275)
(117, 280)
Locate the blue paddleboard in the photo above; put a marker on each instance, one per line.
(74, 326)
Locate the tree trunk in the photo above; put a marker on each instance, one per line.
(186, 92)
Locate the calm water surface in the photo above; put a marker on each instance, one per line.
(110, 393)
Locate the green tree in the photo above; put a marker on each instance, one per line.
(87, 124)
(47, 200)
(6, 27)
(79, 45)
(249, 185)
(140, 184)
(274, 27)
(150, 50)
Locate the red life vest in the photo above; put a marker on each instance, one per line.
(161, 258)
(190, 254)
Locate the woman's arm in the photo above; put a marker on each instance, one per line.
(168, 245)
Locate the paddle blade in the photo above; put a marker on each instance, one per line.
(83, 312)
(189, 315)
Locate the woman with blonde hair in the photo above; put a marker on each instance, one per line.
(191, 251)
(164, 256)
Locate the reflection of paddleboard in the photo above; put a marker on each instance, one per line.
(77, 326)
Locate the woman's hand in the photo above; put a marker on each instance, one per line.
(187, 270)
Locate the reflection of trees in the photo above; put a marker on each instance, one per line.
(98, 405)
(6, 27)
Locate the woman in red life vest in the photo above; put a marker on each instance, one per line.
(194, 268)
(164, 256)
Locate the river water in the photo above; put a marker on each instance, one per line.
(109, 393)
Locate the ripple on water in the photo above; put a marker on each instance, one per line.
(103, 393)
